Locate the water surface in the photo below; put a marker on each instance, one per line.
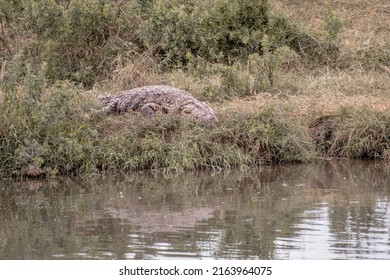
(329, 210)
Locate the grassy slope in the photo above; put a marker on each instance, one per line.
(346, 108)
(357, 96)
(366, 24)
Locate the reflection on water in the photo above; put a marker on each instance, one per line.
(331, 210)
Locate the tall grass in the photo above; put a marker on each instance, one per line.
(239, 140)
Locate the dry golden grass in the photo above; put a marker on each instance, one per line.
(135, 70)
(320, 92)
(303, 106)
(366, 23)
(325, 81)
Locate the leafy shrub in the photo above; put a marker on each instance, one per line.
(43, 134)
(83, 40)
(78, 40)
(218, 31)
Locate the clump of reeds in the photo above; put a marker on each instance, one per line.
(361, 133)
(44, 133)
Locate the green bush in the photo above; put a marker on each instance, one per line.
(219, 31)
(78, 40)
(43, 134)
(85, 40)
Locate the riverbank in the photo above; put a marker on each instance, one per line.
(287, 91)
(265, 129)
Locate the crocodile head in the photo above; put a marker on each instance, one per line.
(199, 111)
(105, 99)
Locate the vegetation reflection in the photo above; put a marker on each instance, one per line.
(262, 214)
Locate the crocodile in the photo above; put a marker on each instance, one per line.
(151, 99)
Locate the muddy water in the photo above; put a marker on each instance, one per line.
(329, 210)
